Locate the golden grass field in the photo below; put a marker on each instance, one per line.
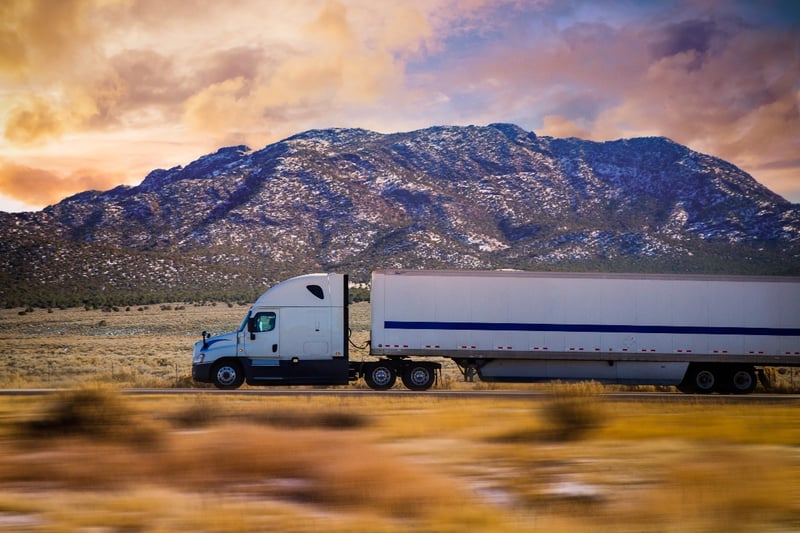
(93, 459)
(147, 346)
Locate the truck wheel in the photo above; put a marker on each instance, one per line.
(418, 377)
(380, 376)
(228, 375)
(702, 379)
(743, 380)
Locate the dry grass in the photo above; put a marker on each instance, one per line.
(92, 459)
(149, 346)
(408, 463)
(308, 476)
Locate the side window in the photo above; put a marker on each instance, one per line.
(264, 321)
(316, 290)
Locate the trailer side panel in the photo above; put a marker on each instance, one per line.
(509, 316)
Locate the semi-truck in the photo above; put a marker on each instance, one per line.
(699, 333)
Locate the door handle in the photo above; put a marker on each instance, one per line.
(274, 348)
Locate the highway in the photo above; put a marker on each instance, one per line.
(622, 396)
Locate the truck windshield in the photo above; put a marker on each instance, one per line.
(244, 322)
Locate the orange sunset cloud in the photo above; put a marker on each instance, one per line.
(127, 86)
(36, 186)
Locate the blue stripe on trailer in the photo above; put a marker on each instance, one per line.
(591, 328)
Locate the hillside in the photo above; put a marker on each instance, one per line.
(232, 222)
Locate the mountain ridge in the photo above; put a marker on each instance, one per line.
(351, 199)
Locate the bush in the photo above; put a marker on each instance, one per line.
(318, 419)
(359, 295)
(201, 413)
(95, 412)
(572, 411)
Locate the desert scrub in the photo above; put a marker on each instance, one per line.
(420, 463)
(94, 412)
(572, 411)
(568, 412)
(208, 411)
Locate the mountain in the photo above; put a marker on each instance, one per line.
(233, 222)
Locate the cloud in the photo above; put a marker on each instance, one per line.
(558, 126)
(51, 68)
(79, 74)
(36, 186)
(33, 121)
(740, 102)
(336, 68)
(37, 36)
(407, 30)
(79, 66)
(688, 36)
(331, 26)
(717, 82)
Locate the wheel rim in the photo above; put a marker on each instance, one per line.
(420, 376)
(743, 380)
(381, 376)
(705, 380)
(226, 375)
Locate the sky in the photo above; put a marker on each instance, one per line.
(97, 93)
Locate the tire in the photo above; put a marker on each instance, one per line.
(702, 379)
(742, 380)
(227, 375)
(380, 376)
(419, 377)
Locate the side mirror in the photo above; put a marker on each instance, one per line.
(251, 326)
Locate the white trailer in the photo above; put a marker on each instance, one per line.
(700, 333)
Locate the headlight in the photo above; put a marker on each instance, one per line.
(198, 358)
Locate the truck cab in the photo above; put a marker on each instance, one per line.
(294, 334)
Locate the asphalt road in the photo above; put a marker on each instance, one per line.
(454, 394)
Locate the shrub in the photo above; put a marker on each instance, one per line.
(92, 411)
(318, 419)
(359, 295)
(572, 411)
(201, 413)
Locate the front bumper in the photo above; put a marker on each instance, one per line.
(202, 372)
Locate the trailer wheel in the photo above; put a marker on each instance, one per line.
(743, 380)
(380, 376)
(702, 379)
(418, 377)
(227, 375)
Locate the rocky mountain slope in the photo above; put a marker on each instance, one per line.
(233, 222)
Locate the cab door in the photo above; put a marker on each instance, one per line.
(262, 340)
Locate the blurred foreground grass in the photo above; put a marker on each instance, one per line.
(92, 459)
